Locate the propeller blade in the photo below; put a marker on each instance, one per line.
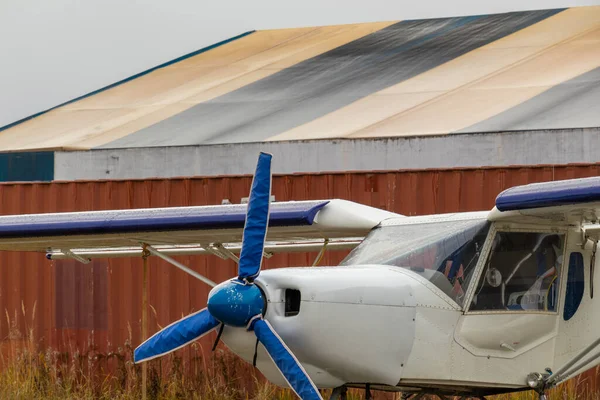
(290, 367)
(176, 335)
(257, 219)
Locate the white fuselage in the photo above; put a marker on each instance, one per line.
(387, 325)
(374, 324)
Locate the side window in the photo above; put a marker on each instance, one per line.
(575, 285)
(521, 273)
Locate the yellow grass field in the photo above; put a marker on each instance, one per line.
(27, 372)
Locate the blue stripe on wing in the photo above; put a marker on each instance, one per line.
(255, 229)
(301, 213)
(285, 360)
(549, 194)
(176, 335)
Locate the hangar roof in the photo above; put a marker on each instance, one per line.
(487, 73)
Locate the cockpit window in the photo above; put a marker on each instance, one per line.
(445, 253)
(521, 273)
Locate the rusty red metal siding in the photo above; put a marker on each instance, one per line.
(100, 303)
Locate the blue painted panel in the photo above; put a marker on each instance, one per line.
(234, 303)
(549, 194)
(575, 285)
(255, 229)
(27, 166)
(176, 335)
(299, 213)
(287, 363)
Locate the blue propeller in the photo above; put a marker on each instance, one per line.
(239, 302)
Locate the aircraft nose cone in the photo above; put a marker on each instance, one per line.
(235, 304)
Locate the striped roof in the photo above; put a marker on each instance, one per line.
(515, 71)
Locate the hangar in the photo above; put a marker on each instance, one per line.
(416, 117)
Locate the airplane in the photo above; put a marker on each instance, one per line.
(463, 304)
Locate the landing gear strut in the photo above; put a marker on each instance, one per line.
(542, 396)
(339, 393)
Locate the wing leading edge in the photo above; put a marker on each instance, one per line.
(231, 216)
(293, 226)
(566, 201)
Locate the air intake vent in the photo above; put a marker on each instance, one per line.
(292, 302)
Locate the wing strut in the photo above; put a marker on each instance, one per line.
(574, 364)
(221, 251)
(321, 253)
(179, 265)
(542, 381)
(77, 257)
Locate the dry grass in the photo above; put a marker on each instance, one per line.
(28, 372)
(581, 387)
(52, 375)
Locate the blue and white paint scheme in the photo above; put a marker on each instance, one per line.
(469, 304)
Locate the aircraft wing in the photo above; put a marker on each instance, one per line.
(293, 226)
(567, 202)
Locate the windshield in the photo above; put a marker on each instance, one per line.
(445, 253)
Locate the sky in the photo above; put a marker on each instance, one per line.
(54, 51)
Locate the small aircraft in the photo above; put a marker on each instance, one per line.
(468, 304)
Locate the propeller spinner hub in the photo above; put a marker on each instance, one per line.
(234, 303)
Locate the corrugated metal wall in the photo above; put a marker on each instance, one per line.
(100, 303)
